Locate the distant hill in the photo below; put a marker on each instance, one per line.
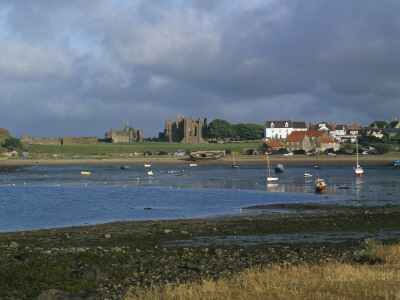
(4, 134)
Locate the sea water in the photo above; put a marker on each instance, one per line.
(35, 197)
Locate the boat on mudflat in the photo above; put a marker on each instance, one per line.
(207, 155)
(320, 185)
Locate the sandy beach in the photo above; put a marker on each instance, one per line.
(370, 160)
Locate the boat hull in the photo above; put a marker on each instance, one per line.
(207, 155)
(320, 185)
(272, 179)
(396, 163)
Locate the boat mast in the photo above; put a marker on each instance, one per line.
(357, 150)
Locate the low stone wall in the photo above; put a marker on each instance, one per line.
(66, 140)
(79, 140)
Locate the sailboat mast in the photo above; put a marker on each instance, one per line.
(357, 150)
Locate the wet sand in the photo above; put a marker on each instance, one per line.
(368, 160)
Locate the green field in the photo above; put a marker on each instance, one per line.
(140, 148)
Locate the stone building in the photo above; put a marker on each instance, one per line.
(307, 140)
(184, 130)
(120, 136)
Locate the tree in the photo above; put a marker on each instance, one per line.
(382, 148)
(248, 131)
(380, 124)
(219, 129)
(12, 142)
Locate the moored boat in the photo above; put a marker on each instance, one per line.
(234, 163)
(124, 167)
(273, 177)
(85, 173)
(279, 168)
(307, 175)
(320, 185)
(396, 163)
(358, 170)
(207, 155)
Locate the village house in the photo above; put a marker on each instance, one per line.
(281, 129)
(323, 144)
(307, 140)
(270, 146)
(352, 132)
(338, 131)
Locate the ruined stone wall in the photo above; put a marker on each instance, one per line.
(59, 141)
(184, 130)
(79, 140)
(120, 136)
(47, 141)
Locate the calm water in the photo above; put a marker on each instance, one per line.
(34, 197)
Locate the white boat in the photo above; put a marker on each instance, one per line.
(150, 173)
(193, 165)
(234, 164)
(147, 166)
(307, 175)
(358, 170)
(271, 178)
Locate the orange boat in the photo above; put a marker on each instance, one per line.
(320, 185)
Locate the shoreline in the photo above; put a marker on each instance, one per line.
(370, 160)
(106, 260)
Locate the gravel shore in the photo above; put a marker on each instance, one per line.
(345, 160)
(103, 261)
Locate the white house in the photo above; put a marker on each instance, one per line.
(281, 129)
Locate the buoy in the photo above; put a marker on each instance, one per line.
(137, 179)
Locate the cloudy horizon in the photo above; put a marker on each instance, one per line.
(79, 68)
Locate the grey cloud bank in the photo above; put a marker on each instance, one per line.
(79, 68)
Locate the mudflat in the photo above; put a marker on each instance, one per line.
(103, 261)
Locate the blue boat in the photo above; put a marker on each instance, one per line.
(396, 163)
(124, 167)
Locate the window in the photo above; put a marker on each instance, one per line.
(286, 124)
(272, 125)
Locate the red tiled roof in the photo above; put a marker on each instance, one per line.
(354, 127)
(327, 140)
(295, 137)
(309, 133)
(275, 144)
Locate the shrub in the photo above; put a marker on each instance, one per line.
(369, 253)
(12, 142)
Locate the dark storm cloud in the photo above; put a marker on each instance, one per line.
(83, 67)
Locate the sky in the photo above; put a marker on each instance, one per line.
(80, 68)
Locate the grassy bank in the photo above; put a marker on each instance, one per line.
(378, 278)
